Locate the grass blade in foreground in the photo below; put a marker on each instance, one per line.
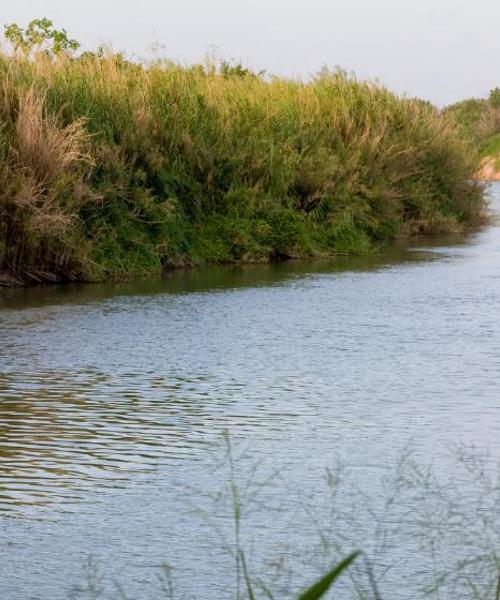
(319, 589)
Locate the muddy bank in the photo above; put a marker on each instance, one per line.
(8, 280)
(489, 169)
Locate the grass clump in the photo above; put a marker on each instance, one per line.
(111, 168)
(480, 120)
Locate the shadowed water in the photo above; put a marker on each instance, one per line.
(112, 396)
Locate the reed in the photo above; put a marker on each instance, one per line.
(111, 168)
(480, 120)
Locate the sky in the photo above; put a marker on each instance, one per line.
(441, 50)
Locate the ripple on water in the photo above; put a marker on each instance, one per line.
(63, 432)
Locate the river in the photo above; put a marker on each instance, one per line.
(114, 399)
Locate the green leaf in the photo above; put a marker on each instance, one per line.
(319, 589)
(251, 595)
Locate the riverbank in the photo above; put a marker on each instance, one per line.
(113, 169)
(489, 169)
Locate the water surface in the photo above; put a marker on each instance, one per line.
(112, 396)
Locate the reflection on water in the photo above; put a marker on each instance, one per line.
(60, 432)
(110, 392)
(212, 278)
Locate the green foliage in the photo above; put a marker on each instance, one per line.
(491, 146)
(112, 168)
(468, 112)
(285, 232)
(39, 35)
(228, 69)
(494, 98)
(321, 587)
(346, 237)
(480, 119)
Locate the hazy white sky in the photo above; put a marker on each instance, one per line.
(443, 50)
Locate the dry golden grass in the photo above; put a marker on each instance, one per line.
(42, 145)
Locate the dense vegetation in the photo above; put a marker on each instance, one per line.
(480, 119)
(111, 168)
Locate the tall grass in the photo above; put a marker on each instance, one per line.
(110, 168)
(427, 531)
(480, 120)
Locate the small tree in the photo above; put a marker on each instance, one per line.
(495, 97)
(39, 36)
(236, 69)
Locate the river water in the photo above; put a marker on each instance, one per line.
(114, 399)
